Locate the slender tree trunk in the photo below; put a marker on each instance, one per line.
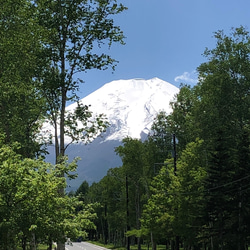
(153, 243)
(61, 245)
(177, 243)
(105, 225)
(175, 155)
(33, 242)
(62, 80)
(138, 216)
(56, 142)
(50, 245)
(62, 122)
(24, 242)
(172, 245)
(127, 207)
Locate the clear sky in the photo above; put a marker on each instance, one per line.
(166, 39)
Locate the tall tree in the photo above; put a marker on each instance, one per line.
(191, 178)
(21, 105)
(135, 167)
(181, 121)
(82, 191)
(76, 32)
(161, 137)
(223, 118)
(159, 218)
(109, 192)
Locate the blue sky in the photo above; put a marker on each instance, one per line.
(166, 39)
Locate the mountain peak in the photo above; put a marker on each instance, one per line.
(130, 105)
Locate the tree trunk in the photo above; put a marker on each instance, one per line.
(172, 244)
(105, 225)
(61, 245)
(177, 243)
(127, 207)
(33, 242)
(24, 242)
(50, 244)
(62, 122)
(56, 141)
(152, 241)
(138, 216)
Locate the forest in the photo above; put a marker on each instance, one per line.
(186, 186)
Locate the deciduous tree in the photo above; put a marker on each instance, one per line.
(21, 105)
(76, 32)
(31, 209)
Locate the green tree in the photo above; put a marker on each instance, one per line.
(191, 177)
(223, 116)
(175, 208)
(21, 105)
(181, 121)
(76, 31)
(136, 170)
(159, 217)
(114, 205)
(161, 137)
(31, 208)
(82, 191)
(109, 192)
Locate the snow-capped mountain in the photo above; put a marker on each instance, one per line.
(130, 107)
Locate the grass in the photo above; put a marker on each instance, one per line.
(132, 247)
(39, 247)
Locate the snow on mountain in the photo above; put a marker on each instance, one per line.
(130, 107)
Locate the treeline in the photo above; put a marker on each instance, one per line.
(188, 184)
(43, 46)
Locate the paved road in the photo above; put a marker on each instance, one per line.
(83, 246)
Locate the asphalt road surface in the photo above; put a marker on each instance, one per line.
(83, 246)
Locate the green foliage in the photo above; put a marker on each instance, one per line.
(136, 169)
(110, 193)
(82, 126)
(159, 212)
(182, 120)
(205, 204)
(131, 154)
(82, 191)
(30, 203)
(223, 116)
(21, 105)
(161, 137)
(191, 176)
(76, 31)
(43, 45)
